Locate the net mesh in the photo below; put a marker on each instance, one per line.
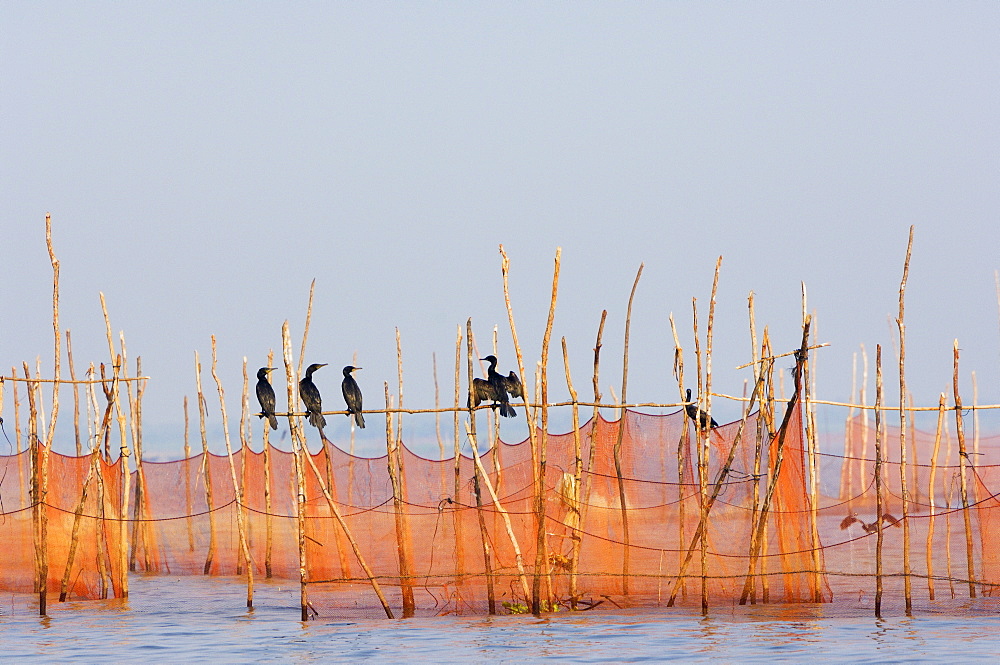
(181, 519)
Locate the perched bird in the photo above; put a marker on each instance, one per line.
(869, 528)
(352, 395)
(700, 418)
(265, 395)
(310, 395)
(499, 382)
(495, 388)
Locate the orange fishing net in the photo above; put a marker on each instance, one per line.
(182, 520)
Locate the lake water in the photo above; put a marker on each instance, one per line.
(171, 619)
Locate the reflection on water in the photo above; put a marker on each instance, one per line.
(171, 619)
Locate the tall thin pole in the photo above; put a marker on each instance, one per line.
(622, 501)
(237, 489)
(963, 461)
(298, 453)
(879, 485)
(932, 496)
(487, 557)
(902, 431)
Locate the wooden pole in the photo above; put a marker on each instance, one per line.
(456, 514)
(575, 519)
(95, 442)
(237, 489)
(187, 476)
(245, 434)
(760, 526)
(902, 432)
(963, 461)
(206, 466)
(124, 454)
(298, 453)
(622, 501)
(808, 379)
(932, 496)
(76, 394)
(37, 497)
(541, 547)
(268, 520)
(487, 558)
(720, 480)
(519, 560)
(703, 435)
(683, 450)
(402, 542)
(879, 486)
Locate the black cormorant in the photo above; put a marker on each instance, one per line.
(265, 395)
(352, 395)
(310, 396)
(697, 415)
(500, 386)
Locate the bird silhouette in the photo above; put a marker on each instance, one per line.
(352, 395)
(869, 528)
(311, 397)
(265, 395)
(701, 419)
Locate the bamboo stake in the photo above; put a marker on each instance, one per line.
(487, 562)
(206, 466)
(529, 412)
(864, 411)
(95, 442)
(268, 520)
(879, 489)
(595, 419)
(142, 525)
(767, 412)
(402, 543)
(76, 394)
(37, 498)
(519, 560)
(703, 433)
(618, 444)
(298, 444)
(541, 547)
(963, 460)
(683, 448)
(41, 497)
(237, 489)
(932, 497)
(457, 501)
(187, 477)
(902, 431)
(760, 526)
(758, 370)
(808, 378)
(401, 465)
(720, 480)
(244, 431)
(92, 471)
(576, 534)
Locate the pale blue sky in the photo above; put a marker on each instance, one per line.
(203, 162)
